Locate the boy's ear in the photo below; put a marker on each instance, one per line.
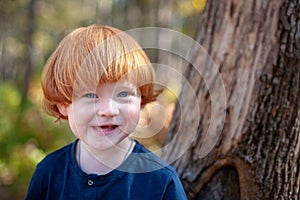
(63, 109)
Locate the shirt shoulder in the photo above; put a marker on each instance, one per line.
(143, 160)
(150, 173)
(49, 174)
(57, 158)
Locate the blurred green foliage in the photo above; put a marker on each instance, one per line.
(29, 32)
(26, 136)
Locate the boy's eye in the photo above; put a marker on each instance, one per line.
(91, 95)
(123, 94)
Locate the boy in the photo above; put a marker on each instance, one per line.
(98, 79)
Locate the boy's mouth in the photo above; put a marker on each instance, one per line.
(105, 128)
(108, 127)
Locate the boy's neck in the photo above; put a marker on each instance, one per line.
(96, 162)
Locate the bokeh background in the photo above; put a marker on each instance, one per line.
(29, 32)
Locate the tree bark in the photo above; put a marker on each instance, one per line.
(256, 46)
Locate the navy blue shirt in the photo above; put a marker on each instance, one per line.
(141, 176)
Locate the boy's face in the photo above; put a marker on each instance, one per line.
(104, 117)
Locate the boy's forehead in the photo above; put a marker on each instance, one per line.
(118, 84)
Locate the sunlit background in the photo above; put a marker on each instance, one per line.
(29, 32)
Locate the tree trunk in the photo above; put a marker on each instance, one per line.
(28, 36)
(255, 154)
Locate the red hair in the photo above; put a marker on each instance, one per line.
(92, 55)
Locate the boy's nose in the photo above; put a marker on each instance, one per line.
(107, 108)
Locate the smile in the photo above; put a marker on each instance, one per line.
(105, 129)
(108, 127)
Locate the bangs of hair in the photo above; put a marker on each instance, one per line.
(117, 58)
(91, 56)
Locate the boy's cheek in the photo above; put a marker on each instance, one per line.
(133, 114)
(74, 126)
(80, 110)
